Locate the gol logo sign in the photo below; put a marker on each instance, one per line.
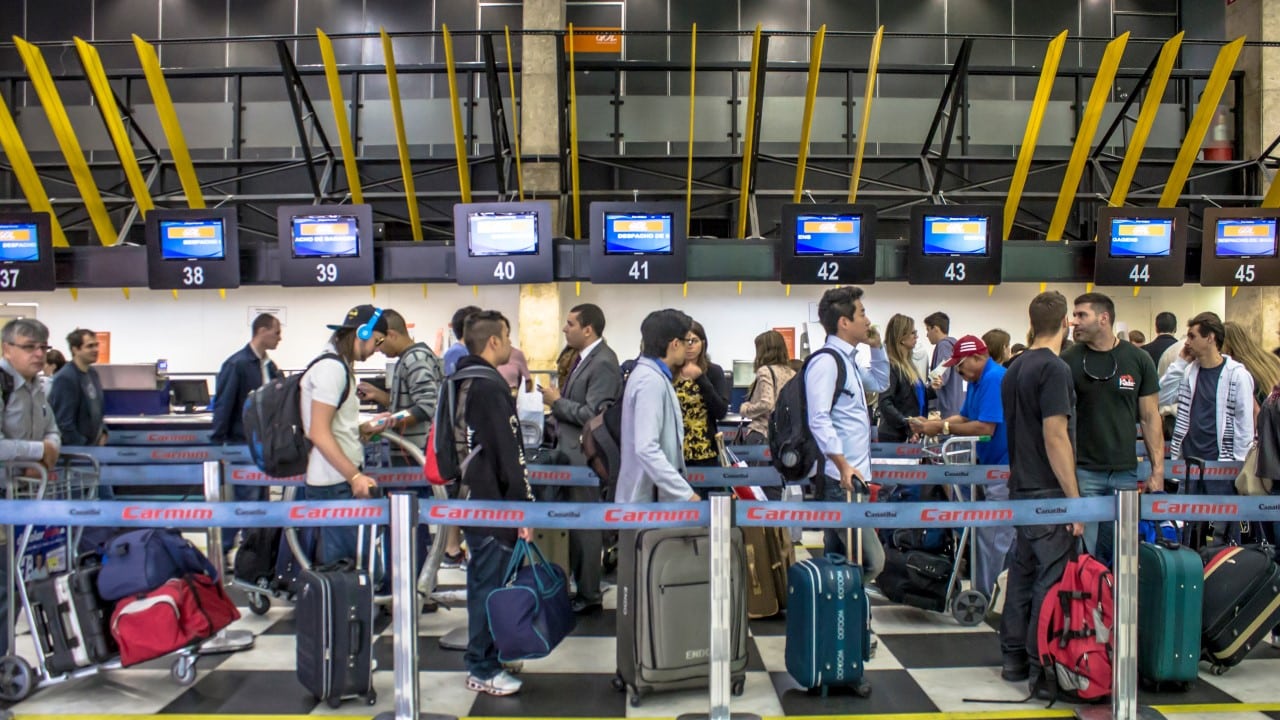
(606, 40)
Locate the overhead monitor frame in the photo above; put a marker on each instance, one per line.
(961, 267)
(325, 270)
(1242, 270)
(26, 275)
(495, 268)
(1142, 270)
(827, 268)
(638, 266)
(194, 273)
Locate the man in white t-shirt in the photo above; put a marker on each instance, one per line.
(331, 419)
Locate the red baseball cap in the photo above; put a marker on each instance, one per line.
(967, 346)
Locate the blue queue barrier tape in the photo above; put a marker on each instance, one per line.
(117, 455)
(1210, 507)
(158, 475)
(577, 516)
(160, 437)
(1213, 470)
(192, 515)
(925, 515)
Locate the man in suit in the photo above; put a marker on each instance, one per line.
(594, 383)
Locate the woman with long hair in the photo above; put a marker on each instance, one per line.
(907, 395)
(703, 391)
(1262, 365)
(772, 372)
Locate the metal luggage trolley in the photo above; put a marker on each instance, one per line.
(967, 606)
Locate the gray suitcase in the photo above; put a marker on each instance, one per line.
(664, 615)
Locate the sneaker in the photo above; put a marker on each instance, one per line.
(500, 684)
(454, 561)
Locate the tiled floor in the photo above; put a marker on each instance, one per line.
(925, 663)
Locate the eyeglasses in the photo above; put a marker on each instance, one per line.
(31, 347)
(692, 341)
(1084, 365)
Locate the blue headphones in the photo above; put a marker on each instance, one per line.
(365, 331)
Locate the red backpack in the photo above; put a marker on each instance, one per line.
(1076, 627)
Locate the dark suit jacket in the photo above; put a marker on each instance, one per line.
(592, 386)
(240, 375)
(1158, 345)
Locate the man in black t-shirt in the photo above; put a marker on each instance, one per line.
(1038, 399)
(1116, 387)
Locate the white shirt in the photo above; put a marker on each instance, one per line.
(324, 383)
(587, 350)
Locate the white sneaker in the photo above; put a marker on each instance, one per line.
(501, 684)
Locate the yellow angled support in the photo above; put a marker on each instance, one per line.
(1146, 120)
(688, 173)
(573, 141)
(459, 142)
(97, 76)
(1272, 198)
(749, 144)
(42, 81)
(810, 95)
(402, 143)
(169, 122)
(866, 115)
(1199, 127)
(515, 111)
(340, 115)
(1048, 72)
(15, 151)
(1102, 83)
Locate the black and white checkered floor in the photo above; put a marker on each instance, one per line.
(926, 663)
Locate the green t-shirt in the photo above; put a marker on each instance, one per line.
(1107, 403)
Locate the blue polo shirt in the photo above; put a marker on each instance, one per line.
(982, 403)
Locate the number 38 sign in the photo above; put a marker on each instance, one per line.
(192, 249)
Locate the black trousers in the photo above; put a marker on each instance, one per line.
(1040, 554)
(584, 549)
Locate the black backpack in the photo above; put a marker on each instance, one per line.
(792, 449)
(273, 423)
(447, 456)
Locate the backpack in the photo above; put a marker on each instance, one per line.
(273, 423)
(447, 439)
(601, 441)
(794, 452)
(1075, 631)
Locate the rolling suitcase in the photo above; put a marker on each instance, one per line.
(915, 578)
(1170, 595)
(769, 555)
(334, 614)
(1241, 604)
(664, 615)
(71, 621)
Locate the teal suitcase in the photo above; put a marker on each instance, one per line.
(1170, 599)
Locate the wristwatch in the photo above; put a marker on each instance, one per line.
(946, 427)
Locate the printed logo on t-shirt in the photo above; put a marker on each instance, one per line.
(1128, 383)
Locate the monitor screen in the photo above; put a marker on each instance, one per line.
(1141, 237)
(1245, 237)
(192, 239)
(637, 233)
(946, 235)
(18, 242)
(326, 236)
(502, 233)
(828, 235)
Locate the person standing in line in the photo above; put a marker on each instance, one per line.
(948, 384)
(1262, 365)
(907, 395)
(414, 385)
(53, 362)
(1166, 326)
(1038, 395)
(1116, 388)
(76, 393)
(997, 342)
(703, 390)
(593, 384)
(1137, 339)
(772, 372)
(458, 349)
(1214, 396)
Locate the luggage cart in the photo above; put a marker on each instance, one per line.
(76, 478)
(967, 606)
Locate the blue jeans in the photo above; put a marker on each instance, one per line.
(336, 543)
(1099, 538)
(833, 540)
(485, 570)
(242, 493)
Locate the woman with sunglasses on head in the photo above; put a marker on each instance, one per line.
(703, 391)
(908, 393)
(772, 372)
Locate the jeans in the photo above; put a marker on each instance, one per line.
(1039, 557)
(241, 493)
(1099, 538)
(336, 543)
(485, 570)
(833, 540)
(994, 544)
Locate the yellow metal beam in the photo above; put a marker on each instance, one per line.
(688, 173)
(515, 111)
(97, 76)
(1102, 83)
(1146, 120)
(747, 147)
(573, 140)
(340, 115)
(15, 151)
(806, 122)
(1272, 198)
(459, 143)
(1048, 73)
(866, 115)
(402, 144)
(42, 81)
(169, 122)
(1199, 127)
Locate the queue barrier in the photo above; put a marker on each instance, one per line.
(159, 437)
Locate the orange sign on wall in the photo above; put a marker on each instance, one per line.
(789, 337)
(596, 40)
(104, 347)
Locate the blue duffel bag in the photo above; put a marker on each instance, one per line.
(530, 614)
(140, 561)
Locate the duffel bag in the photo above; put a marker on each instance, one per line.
(140, 561)
(530, 614)
(179, 612)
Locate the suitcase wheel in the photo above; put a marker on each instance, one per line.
(633, 698)
(862, 689)
(334, 702)
(372, 698)
(16, 679)
(618, 683)
(183, 671)
(969, 608)
(1219, 669)
(259, 603)
(739, 686)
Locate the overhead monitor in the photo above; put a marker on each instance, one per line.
(323, 245)
(1241, 247)
(638, 242)
(192, 249)
(26, 252)
(1141, 247)
(503, 243)
(955, 245)
(828, 244)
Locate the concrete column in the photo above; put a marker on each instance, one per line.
(540, 313)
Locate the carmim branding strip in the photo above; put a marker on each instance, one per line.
(917, 515)
(193, 515)
(1210, 507)
(638, 516)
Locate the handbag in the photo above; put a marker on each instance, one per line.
(530, 614)
(179, 612)
(1248, 482)
(142, 560)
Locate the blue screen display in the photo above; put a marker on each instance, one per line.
(1245, 237)
(637, 233)
(1141, 237)
(949, 235)
(502, 233)
(828, 235)
(19, 242)
(191, 240)
(326, 236)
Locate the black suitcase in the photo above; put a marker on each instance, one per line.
(334, 614)
(71, 621)
(1241, 605)
(256, 559)
(915, 578)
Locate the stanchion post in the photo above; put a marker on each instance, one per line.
(226, 640)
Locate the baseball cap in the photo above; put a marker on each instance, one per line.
(966, 346)
(359, 315)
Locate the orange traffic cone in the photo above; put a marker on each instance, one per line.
(1218, 146)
